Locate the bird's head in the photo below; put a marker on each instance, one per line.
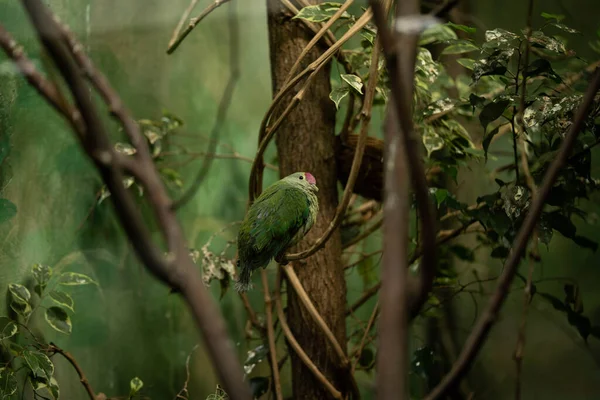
(304, 179)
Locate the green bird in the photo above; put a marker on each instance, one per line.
(277, 219)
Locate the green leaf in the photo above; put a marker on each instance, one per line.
(500, 252)
(320, 13)
(500, 36)
(259, 385)
(23, 309)
(338, 94)
(75, 279)
(424, 362)
(219, 394)
(539, 39)
(125, 148)
(46, 390)
(555, 301)
(494, 64)
(488, 139)
(354, 81)
(432, 140)
(40, 365)
(8, 383)
(558, 17)
(366, 358)
(4, 147)
(459, 48)
(42, 273)
(367, 271)
(7, 210)
(436, 33)
(135, 386)
(492, 111)
(59, 319)
(582, 323)
(464, 28)
(9, 330)
(463, 252)
(439, 194)
(564, 28)
(584, 242)
(573, 297)
(19, 292)
(468, 63)
(254, 357)
(562, 224)
(62, 299)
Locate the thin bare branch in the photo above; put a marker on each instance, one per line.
(484, 324)
(317, 37)
(271, 336)
(295, 282)
(174, 44)
(184, 393)
(82, 378)
(363, 341)
(234, 73)
(44, 87)
(297, 348)
(186, 14)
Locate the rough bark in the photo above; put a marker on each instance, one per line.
(306, 142)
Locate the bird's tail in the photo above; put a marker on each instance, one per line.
(243, 283)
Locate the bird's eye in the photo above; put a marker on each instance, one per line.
(301, 177)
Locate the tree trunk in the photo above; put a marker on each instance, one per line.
(305, 142)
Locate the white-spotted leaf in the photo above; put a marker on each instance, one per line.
(59, 319)
(354, 81)
(75, 279)
(62, 299)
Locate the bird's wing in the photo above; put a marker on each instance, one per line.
(279, 215)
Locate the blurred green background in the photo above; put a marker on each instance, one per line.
(130, 325)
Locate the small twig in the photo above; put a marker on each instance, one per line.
(217, 156)
(86, 384)
(174, 44)
(316, 38)
(186, 14)
(295, 282)
(364, 338)
(481, 330)
(184, 393)
(271, 336)
(363, 258)
(443, 237)
(366, 233)
(44, 87)
(460, 212)
(329, 38)
(296, 346)
(224, 104)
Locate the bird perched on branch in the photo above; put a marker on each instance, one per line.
(277, 219)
